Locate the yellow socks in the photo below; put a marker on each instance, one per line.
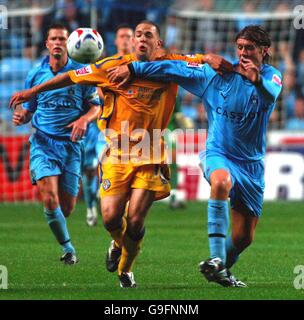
(129, 252)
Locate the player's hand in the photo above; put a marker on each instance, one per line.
(120, 75)
(79, 128)
(251, 70)
(218, 63)
(21, 97)
(19, 117)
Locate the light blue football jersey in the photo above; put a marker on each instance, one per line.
(238, 111)
(54, 110)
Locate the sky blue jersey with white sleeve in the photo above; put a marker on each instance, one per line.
(54, 110)
(238, 111)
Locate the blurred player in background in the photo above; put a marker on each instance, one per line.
(60, 118)
(238, 105)
(144, 105)
(94, 141)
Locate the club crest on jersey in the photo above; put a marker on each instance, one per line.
(106, 184)
(277, 80)
(193, 65)
(254, 100)
(83, 71)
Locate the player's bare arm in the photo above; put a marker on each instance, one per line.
(79, 126)
(57, 82)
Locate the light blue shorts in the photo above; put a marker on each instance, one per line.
(247, 180)
(50, 156)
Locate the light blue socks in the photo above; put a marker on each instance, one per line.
(57, 223)
(218, 223)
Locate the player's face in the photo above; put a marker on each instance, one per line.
(146, 41)
(124, 40)
(56, 43)
(249, 50)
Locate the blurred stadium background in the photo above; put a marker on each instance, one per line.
(187, 27)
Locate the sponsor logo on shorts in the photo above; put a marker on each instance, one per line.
(83, 71)
(106, 184)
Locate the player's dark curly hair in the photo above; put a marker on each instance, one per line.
(256, 34)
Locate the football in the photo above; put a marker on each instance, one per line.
(85, 45)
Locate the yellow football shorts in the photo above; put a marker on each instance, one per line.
(121, 178)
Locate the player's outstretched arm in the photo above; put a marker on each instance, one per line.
(193, 78)
(57, 82)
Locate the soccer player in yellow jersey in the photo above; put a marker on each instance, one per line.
(131, 114)
(94, 143)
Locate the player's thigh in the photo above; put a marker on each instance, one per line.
(48, 188)
(243, 226)
(113, 209)
(139, 205)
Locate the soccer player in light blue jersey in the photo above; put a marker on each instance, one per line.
(238, 106)
(60, 118)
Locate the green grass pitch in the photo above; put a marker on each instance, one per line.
(167, 267)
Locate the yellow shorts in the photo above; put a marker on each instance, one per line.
(121, 178)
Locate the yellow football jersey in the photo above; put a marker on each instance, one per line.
(133, 114)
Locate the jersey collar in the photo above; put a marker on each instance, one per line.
(66, 67)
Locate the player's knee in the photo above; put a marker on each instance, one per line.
(50, 199)
(221, 186)
(135, 224)
(111, 220)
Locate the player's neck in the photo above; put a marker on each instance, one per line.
(123, 52)
(57, 64)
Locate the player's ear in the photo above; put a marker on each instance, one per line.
(160, 43)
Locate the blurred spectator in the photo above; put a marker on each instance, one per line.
(300, 69)
(284, 52)
(172, 32)
(274, 120)
(297, 122)
(67, 13)
(207, 37)
(201, 118)
(289, 93)
(249, 7)
(189, 106)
